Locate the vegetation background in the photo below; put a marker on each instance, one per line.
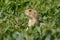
(13, 22)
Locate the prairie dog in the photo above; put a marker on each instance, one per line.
(33, 17)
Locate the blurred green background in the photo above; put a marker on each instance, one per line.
(13, 22)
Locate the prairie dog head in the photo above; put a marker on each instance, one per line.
(31, 13)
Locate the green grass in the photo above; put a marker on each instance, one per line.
(13, 21)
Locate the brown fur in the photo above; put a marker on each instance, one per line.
(33, 17)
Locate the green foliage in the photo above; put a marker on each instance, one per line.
(13, 22)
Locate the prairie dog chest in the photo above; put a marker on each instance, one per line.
(32, 22)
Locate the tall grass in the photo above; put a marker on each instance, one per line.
(13, 22)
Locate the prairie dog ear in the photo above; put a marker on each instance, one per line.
(35, 14)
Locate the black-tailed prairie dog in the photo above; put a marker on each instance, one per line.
(33, 17)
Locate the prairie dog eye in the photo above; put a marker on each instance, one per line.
(30, 10)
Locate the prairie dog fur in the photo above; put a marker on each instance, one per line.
(33, 17)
